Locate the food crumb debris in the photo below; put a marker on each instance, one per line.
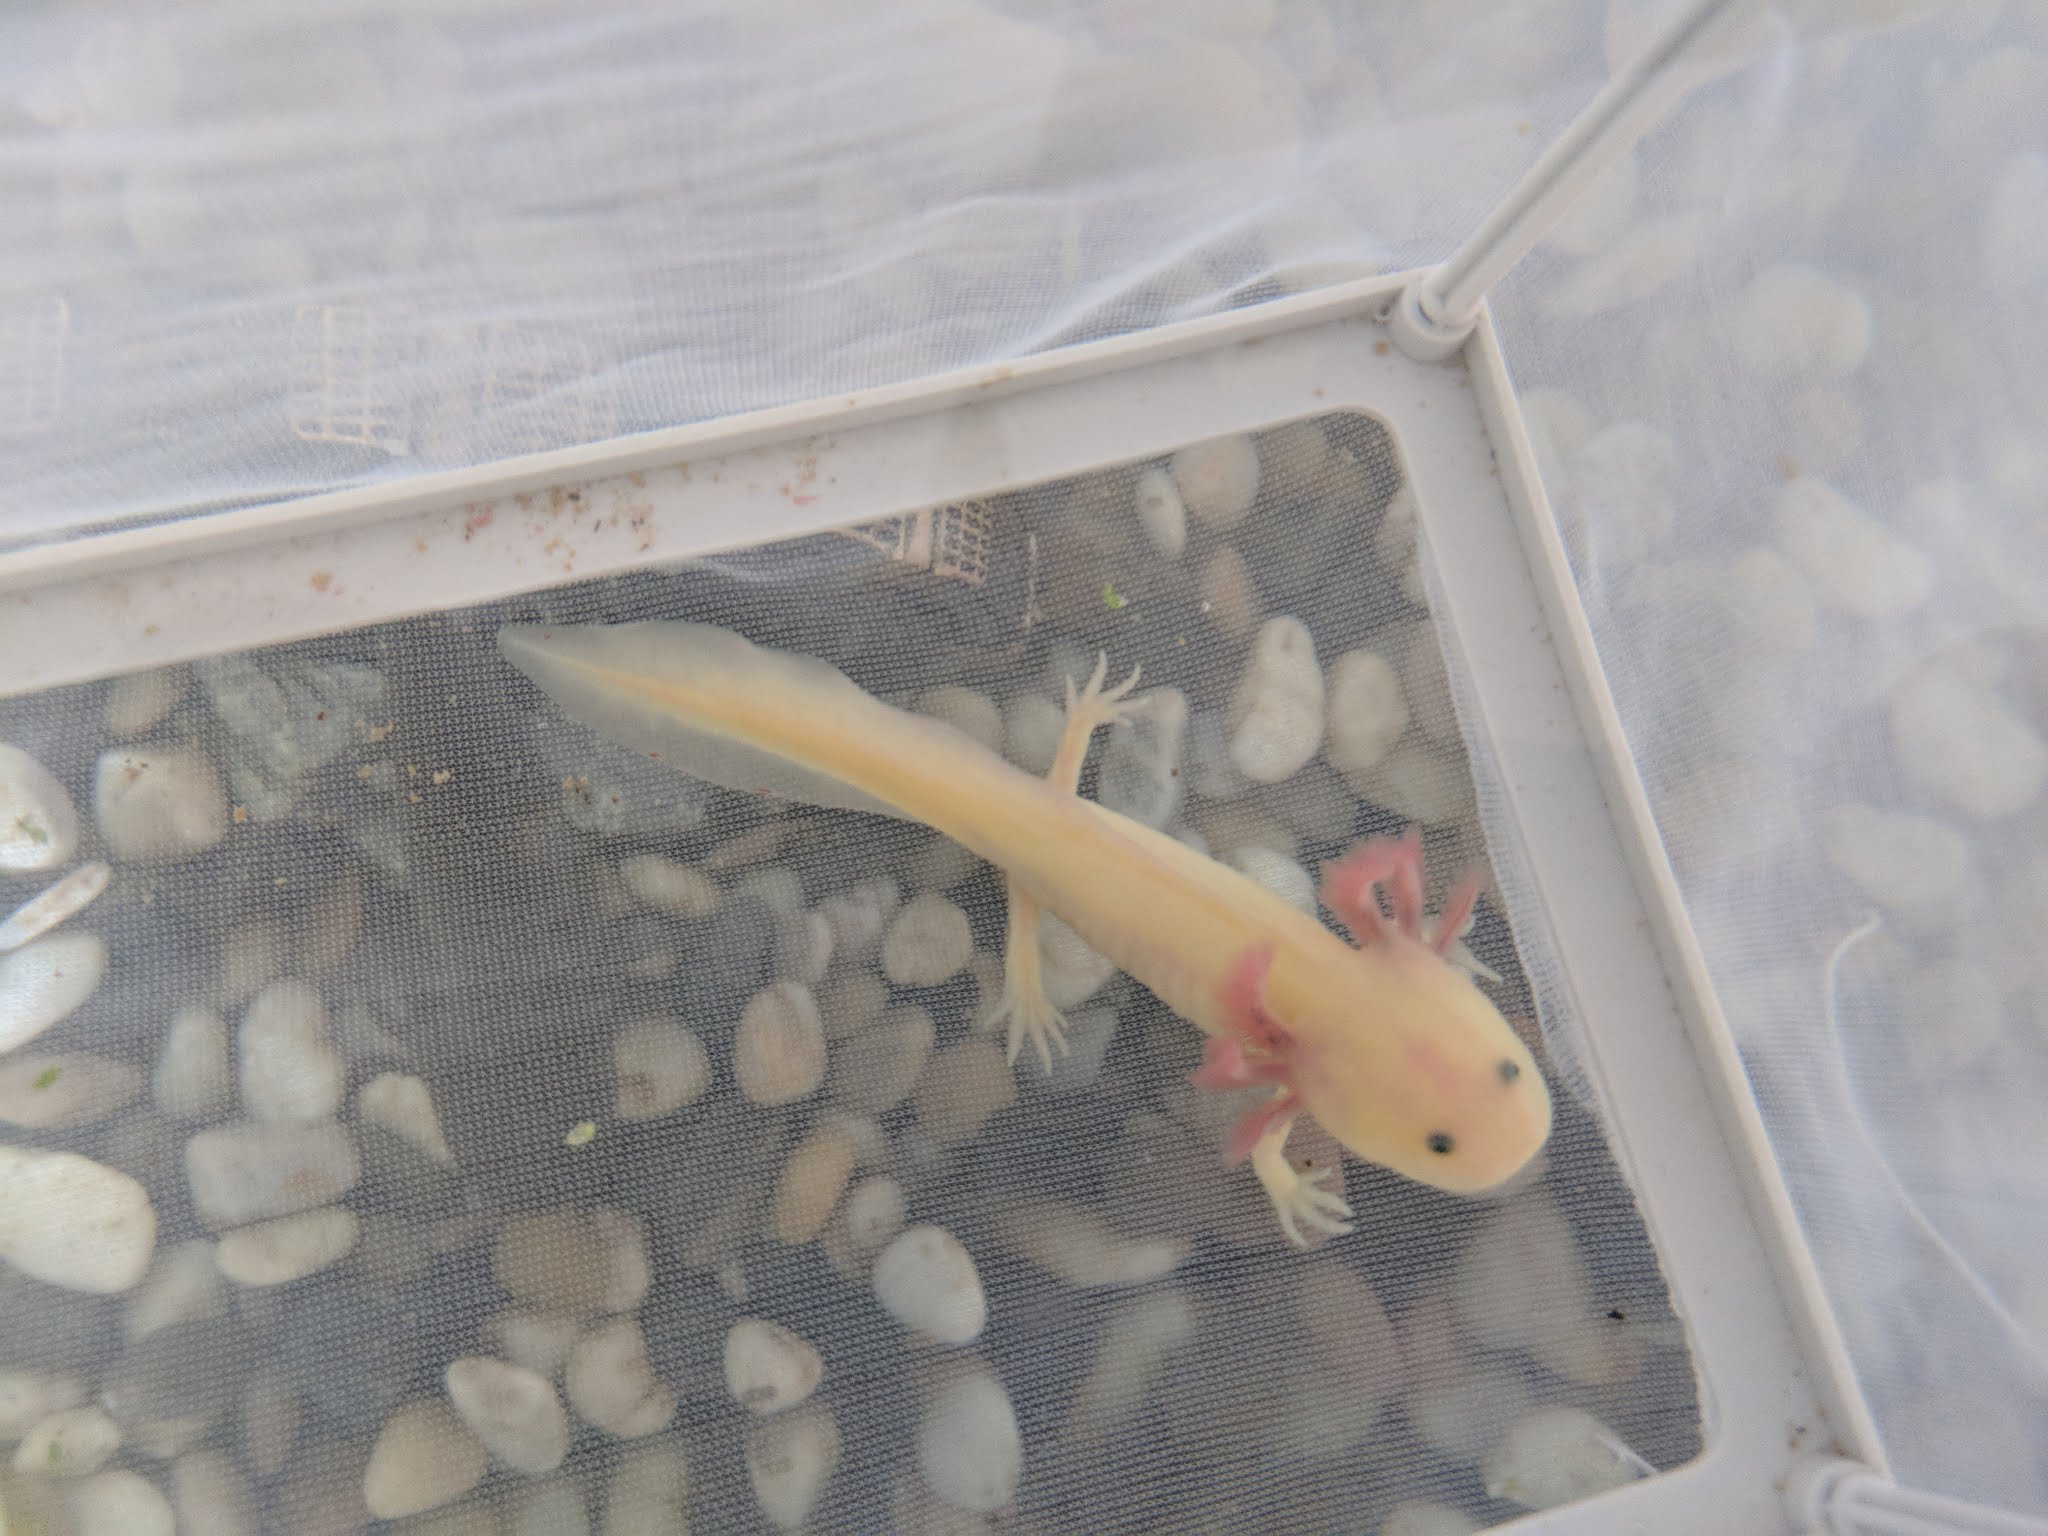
(443, 775)
(47, 1078)
(1111, 598)
(241, 813)
(374, 734)
(581, 1134)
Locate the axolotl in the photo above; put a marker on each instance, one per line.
(1382, 1041)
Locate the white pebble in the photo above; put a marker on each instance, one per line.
(159, 803)
(811, 1182)
(1960, 742)
(572, 1261)
(648, 1494)
(244, 1173)
(1140, 1340)
(182, 1284)
(1419, 783)
(1856, 565)
(928, 943)
(424, 1457)
(120, 1503)
(28, 1397)
(927, 1282)
(38, 827)
(1794, 320)
(1276, 710)
(211, 1495)
(140, 700)
(776, 887)
(1462, 1413)
(768, 1368)
(71, 1443)
(965, 1084)
(968, 1449)
(1367, 711)
(1555, 1456)
(1910, 864)
(972, 714)
(1032, 724)
(612, 1386)
(291, 1073)
(192, 1081)
(858, 916)
(72, 1222)
(1230, 598)
(1521, 1284)
(668, 886)
(402, 1105)
(57, 1092)
(1075, 1245)
(1277, 873)
(878, 1069)
(1397, 546)
(553, 1508)
(1770, 602)
(1418, 1518)
(513, 1411)
(540, 1341)
(804, 943)
(789, 1461)
(1218, 480)
(658, 1068)
(872, 1214)
(1160, 512)
(1140, 774)
(287, 1248)
(62, 901)
(779, 1052)
(1073, 971)
(44, 983)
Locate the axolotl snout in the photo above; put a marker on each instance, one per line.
(1381, 1041)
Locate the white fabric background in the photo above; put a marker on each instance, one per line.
(251, 251)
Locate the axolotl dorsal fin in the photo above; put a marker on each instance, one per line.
(680, 693)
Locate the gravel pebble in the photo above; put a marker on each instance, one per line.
(659, 1068)
(964, 1085)
(290, 1072)
(1556, 1456)
(928, 943)
(669, 886)
(875, 1071)
(192, 1080)
(927, 1282)
(159, 804)
(244, 1173)
(38, 826)
(70, 1443)
(767, 1367)
(44, 983)
(403, 1105)
(287, 1248)
(512, 1410)
(811, 1183)
(779, 1052)
(42, 1092)
(72, 1222)
(969, 1451)
(789, 1462)
(1218, 480)
(612, 1386)
(1276, 709)
(424, 1457)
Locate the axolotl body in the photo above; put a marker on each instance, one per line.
(1382, 1041)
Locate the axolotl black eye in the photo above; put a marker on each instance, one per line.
(1440, 1143)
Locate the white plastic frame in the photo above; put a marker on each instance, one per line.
(1775, 1381)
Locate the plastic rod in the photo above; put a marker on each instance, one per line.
(1843, 1498)
(1451, 294)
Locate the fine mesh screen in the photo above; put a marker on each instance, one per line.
(540, 1057)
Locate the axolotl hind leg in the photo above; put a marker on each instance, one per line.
(1032, 1016)
(1256, 1051)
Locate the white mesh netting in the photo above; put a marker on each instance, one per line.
(1782, 369)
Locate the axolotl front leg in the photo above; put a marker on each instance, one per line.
(1031, 1014)
(1255, 1052)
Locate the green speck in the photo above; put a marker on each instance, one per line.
(582, 1135)
(1111, 598)
(56, 1453)
(31, 829)
(47, 1077)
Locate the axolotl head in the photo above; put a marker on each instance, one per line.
(1411, 1067)
(1388, 1046)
